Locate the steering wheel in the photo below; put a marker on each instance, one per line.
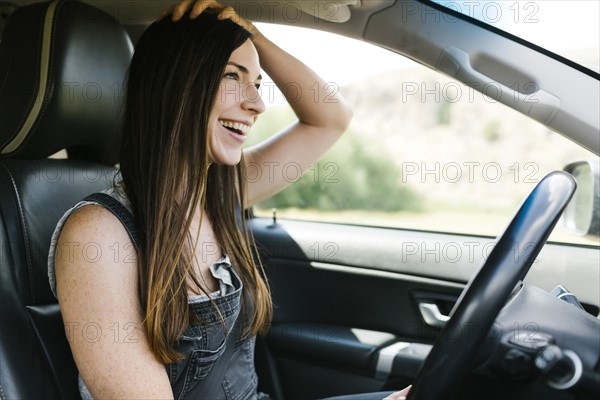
(489, 289)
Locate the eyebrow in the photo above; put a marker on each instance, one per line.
(243, 69)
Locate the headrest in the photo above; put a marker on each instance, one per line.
(62, 70)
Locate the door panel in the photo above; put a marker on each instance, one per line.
(343, 322)
(353, 305)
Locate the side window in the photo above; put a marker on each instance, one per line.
(423, 151)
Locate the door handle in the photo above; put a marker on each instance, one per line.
(432, 315)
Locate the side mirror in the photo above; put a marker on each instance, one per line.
(582, 216)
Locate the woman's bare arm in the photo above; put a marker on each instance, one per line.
(97, 290)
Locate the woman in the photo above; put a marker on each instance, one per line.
(175, 312)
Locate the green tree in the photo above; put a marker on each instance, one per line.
(352, 176)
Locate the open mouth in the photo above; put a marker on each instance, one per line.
(236, 127)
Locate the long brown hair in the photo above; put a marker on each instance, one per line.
(172, 85)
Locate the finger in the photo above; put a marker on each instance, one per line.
(202, 5)
(401, 395)
(229, 13)
(180, 9)
(404, 392)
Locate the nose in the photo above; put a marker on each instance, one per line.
(252, 99)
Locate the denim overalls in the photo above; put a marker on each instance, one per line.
(219, 362)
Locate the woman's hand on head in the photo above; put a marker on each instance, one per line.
(198, 6)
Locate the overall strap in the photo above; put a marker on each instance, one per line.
(119, 210)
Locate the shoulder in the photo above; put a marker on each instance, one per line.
(96, 276)
(91, 213)
(94, 251)
(94, 223)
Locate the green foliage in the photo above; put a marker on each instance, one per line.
(491, 131)
(444, 113)
(270, 122)
(352, 176)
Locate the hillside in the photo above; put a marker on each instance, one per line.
(452, 141)
(452, 145)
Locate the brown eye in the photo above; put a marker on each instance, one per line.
(232, 75)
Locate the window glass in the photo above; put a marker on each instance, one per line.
(570, 28)
(422, 152)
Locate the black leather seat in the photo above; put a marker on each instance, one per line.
(62, 66)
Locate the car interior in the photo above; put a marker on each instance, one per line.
(37, 190)
(353, 313)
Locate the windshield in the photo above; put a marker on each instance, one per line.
(568, 28)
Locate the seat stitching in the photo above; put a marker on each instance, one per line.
(24, 230)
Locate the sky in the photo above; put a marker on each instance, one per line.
(553, 24)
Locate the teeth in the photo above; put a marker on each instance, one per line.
(236, 125)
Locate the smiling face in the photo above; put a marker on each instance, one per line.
(236, 107)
